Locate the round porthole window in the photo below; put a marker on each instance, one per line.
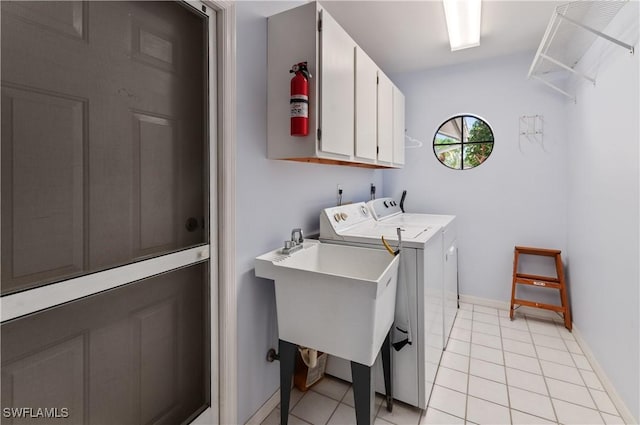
(463, 142)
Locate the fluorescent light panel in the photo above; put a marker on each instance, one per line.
(463, 23)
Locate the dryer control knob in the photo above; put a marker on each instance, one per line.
(343, 216)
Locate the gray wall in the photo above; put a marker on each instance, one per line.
(603, 210)
(272, 198)
(517, 197)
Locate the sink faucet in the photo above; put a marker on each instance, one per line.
(295, 243)
(296, 235)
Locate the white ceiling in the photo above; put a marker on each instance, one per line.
(405, 36)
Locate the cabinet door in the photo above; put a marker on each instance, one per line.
(337, 74)
(398, 127)
(366, 112)
(385, 119)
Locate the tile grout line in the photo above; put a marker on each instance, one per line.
(553, 407)
(536, 356)
(506, 378)
(519, 388)
(466, 396)
(597, 409)
(340, 402)
(542, 374)
(600, 412)
(294, 404)
(446, 413)
(299, 418)
(524, 389)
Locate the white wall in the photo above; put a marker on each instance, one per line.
(272, 198)
(603, 209)
(517, 197)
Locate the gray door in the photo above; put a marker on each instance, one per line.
(132, 355)
(102, 136)
(103, 166)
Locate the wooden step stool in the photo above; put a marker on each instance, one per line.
(557, 282)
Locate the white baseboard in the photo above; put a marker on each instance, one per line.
(486, 302)
(627, 416)
(505, 305)
(265, 409)
(599, 371)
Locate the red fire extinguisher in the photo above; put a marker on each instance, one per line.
(300, 99)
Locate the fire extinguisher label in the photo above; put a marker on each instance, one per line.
(299, 106)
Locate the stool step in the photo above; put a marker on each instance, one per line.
(538, 277)
(557, 308)
(537, 282)
(538, 251)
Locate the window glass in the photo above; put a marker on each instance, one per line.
(463, 142)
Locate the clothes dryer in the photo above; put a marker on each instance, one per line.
(387, 211)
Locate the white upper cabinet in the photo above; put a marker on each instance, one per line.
(366, 107)
(347, 95)
(337, 73)
(385, 119)
(398, 127)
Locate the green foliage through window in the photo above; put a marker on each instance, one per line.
(463, 142)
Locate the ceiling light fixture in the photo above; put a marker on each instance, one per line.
(463, 23)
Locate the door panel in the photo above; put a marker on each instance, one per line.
(156, 339)
(103, 117)
(398, 126)
(60, 373)
(65, 18)
(132, 355)
(338, 74)
(43, 144)
(153, 48)
(154, 197)
(366, 112)
(385, 118)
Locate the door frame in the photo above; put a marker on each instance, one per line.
(224, 345)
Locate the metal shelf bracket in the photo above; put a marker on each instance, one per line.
(598, 33)
(572, 30)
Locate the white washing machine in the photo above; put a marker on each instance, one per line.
(389, 212)
(419, 296)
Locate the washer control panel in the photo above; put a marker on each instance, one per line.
(344, 216)
(384, 207)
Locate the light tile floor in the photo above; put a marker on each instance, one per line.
(494, 371)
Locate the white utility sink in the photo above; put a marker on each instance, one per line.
(334, 298)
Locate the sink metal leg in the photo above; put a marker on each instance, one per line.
(363, 392)
(387, 369)
(287, 365)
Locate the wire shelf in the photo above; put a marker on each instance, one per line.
(572, 30)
